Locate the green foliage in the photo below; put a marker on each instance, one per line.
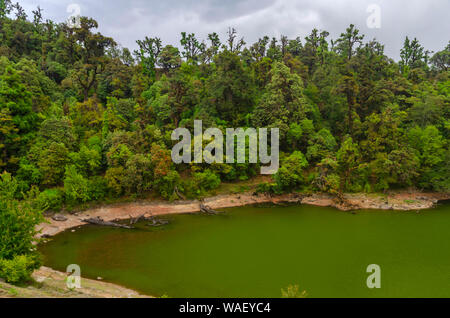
(166, 185)
(348, 157)
(293, 291)
(52, 163)
(413, 55)
(283, 103)
(17, 220)
(322, 145)
(98, 188)
(51, 199)
(291, 173)
(230, 88)
(139, 174)
(17, 115)
(76, 186)
(87, 161)
(268, 188)
(432, 151)
(19, 269)
(207, 180)
(348, 40)
(115, 178)
(81, 119)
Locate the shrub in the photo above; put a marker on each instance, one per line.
(18, 269)
(76, 186)
(51, 199)
(290, 175)
(293, 291)
(266, 187)
(17, 221)
(190, 189)
(98, 187)
(207, 180)
(166, 185)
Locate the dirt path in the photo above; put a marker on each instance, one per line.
(393, 201)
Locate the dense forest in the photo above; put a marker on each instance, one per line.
(83, 119)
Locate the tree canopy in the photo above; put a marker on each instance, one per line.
(85, 119)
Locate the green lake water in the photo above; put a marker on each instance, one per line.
(257, 251)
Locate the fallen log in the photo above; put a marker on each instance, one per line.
(137, 219)
(158, 222)
(207, 209)
(155, 221)
(100, 221)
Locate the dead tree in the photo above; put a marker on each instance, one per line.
(207, 209)
(137, 219)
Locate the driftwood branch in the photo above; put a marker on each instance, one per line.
(137, 219)
(100, 221)
(207, 209)
(154, 221)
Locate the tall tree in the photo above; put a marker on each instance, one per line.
(441, 59)
(348, 42)
(233, 45)
(413, 55)
(148, 54)
(192, 47)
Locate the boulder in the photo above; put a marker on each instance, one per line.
(59, 218)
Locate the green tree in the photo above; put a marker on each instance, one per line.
(345, 45)
(18, 115)
(52, 163)
(169, 58)
(148, 54)
(348, 158)
(291, 173)
(139, 175)
(429, 147)
(18, 220)
(76, 187)
(192, 47)
(413, 55)
(230, 88)
(283, 103)
(441, 59)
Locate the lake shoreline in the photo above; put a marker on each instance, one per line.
(401, 201)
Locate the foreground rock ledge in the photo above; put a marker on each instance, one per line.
(52, 284)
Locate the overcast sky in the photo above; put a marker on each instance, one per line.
(129, 20)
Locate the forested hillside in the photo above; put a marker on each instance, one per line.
(83, 119)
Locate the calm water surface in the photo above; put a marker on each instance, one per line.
(256, 251)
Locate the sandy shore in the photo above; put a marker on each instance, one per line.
(395, 201)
